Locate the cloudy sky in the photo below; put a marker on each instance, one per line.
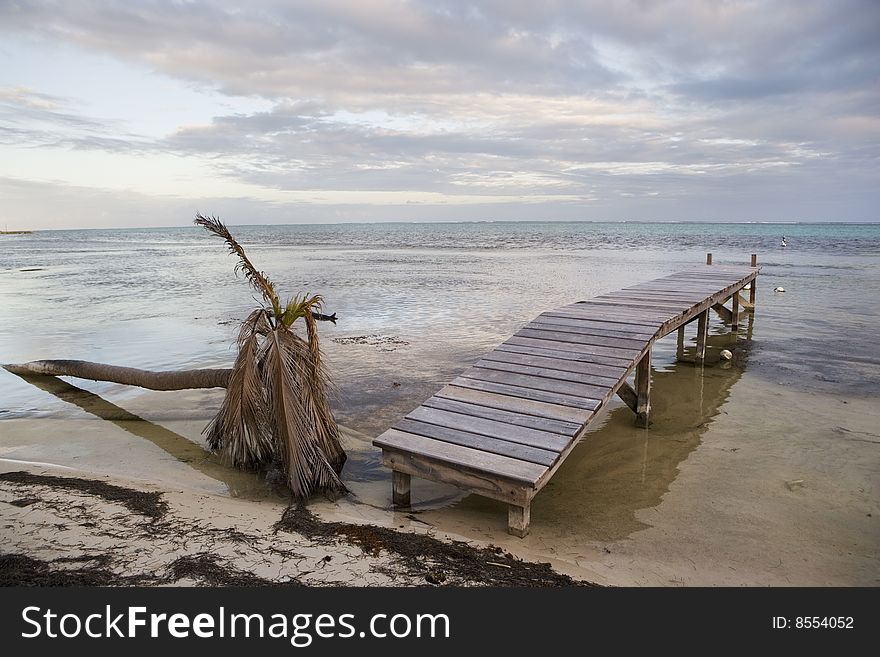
(140, 113)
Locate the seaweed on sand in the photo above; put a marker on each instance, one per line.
(424, 555)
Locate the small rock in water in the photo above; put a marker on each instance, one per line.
(726, 354)
(779, 289)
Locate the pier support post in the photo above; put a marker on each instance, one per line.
(643, 390)
(400, 483)
(708, 258)
(518, 519)
(734, 313)
(702, 334)
(679, 347)
(754, 282)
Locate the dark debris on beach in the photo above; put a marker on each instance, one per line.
(409, 556)
(453, 562)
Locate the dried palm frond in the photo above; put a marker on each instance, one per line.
(240, 430)
(317, 386)
(255, 277)
(286, 371)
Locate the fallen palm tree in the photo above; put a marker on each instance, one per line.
(276, 410)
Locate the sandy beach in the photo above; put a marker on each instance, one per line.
(63, 529)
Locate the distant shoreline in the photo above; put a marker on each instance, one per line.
(16, 232)
(473, 223)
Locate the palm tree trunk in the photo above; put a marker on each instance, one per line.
(82, 369)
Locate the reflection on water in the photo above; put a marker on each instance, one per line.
(240, 484)
(618, 468)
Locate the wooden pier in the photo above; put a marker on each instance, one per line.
(504, 426)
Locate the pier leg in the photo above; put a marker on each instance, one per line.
(400, 482)
(643, 390)
(679, 347)
(518, 519)
(753, 285)
(734, 313)
(702, 334)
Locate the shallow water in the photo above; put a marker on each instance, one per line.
(417, 304)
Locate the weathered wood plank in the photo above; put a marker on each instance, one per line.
(584, 340)
(547, 373)
(529, 407)
(628, 396)
(481, 483)
(587, 337)
(572, 347)
(476, 441)
(568, 429)
(527, 393)
(674, 296)
(615, 314)
(486, 427)
(666, 298)
(745, 304)
(537, 383)
(471, 459)
(601, 309)
(550, 363)
(635, 340)
(723, 312)
(639, 304)
(582, 316)
(597, 328)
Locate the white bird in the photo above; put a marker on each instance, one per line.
(779, 289)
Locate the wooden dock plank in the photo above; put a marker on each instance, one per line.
(569, 429)
(622, 350)
(465, 457)
(527, 407)
(551, 363)
(573, 347)
(492, 428)
(528, 393)
(583, 391)
(548, 373)
(617, 324)
(610, 310)
(597, 328)
(635, 340)
(483, 443)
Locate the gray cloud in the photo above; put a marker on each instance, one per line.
(614, 108)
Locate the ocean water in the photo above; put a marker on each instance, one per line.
(418, 303)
